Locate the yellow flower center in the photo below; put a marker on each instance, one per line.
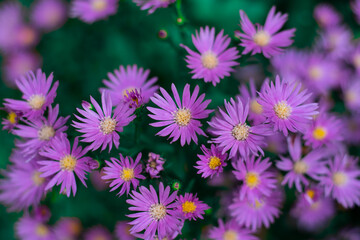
(319, 133)
(339, 178)
(128, 90)
(37, 180)
(68, 163)
(127, 174)
(75, 227)
(310, 193)
(240, 132)
(252, 179)
(188, 207)
(262, 38)
(36, 101)
(46, 132)
(42, 230)
(230, 235)
(209, 60)
(182, 117)
(153, 164)
(258, 204)
(282, 110)
(300, 167)
(315, 72)
(99, 5)
(256, 107)
(12, 117)
(157, 211)
(356, 60)
(214, 162)
(107, 125)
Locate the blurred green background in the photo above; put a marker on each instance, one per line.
(81, 55)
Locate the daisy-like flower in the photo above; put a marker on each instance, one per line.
(154, 165)
(354, 58)
(351, 97)
(325, 130)
(123, 173)
(101, 127)
(262, 212)
(133, 85)
(152, 5)
(285, 106)
(180, 118)
(341, 182)
(10, 17)
(211, 162)
(265, 39)
(156, 213)
(312, 210)
(214, 60)
(257, 182)
(48, 15)
(326, 16)
(37, 94)
(233, 133)
(336, 41)
(22, 185)
(67, 228)
(230, 231)
(98, 232)
(190, 207)
(11, 120)
(61, 163)
(29, 228)
(40, 132)
(122, 231)
(298, 168)
(91, 11)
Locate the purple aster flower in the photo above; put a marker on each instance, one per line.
(101, 127)
(40, 132)
(260, 213)
(355, 6)
(190, 207)
(61, 163)
(41, 213)
(91, 11)
(212, 162)
(154, 165)
(312, 210)
(48, 15)
(11, 120)
(122, 231)
(286, 64)
(10, 17)
(326, 16)
(133, 85)
(284, 105)
(29, 228)
(67, 228)
(257, 181)
(233, 133)
(325, 130)
(152, 5)
(180, 118)
(265, 39)
(354, 58)
(98, 232)
(351, 96)
(37, 94)
(342, 183)
(22, 185)
(336, 41)
(230, 231)
(123, 173)
(156, 214)
(214, 60)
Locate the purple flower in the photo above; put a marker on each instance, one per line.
(213, 61)
(354, 58)
(11, 120)
(212, 162)
(286, 64)
(156, 214)
(264, 39)
(152, 5)
(67, 228)
(122, 231)
(261, 213)
(180, 118)
(62, 163)
(22, 185)
(29, 228)
(133, 85)
(98, 232)
(230, 230)
(190, 207)
(154, 165)
(233, 133)
(285, 106)
(257, 182)
(341, 182)
(48, 15)
(101, 127)
(10, 17)
(40, 132)
(351, 97)
(91, 11)
(355, 6)
(123, 173)
(298, 167)
(37, 94)
(326, 16)
(336, 41)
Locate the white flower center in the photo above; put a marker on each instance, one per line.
(240, 132)
(182, 117)
(230, 235)
(157, 211)
(282, 110)
(300, 167)
(36, 101)
(37, 180)
(339, 178)
(262, 38)
(209, 60)
(107, 125)
(256, 107)
(46, 132)
(315, 72)
(99, 5)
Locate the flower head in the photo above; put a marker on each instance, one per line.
(326, 16)
(67, 228)
(355, 6)
(265, 39)
(212, 162)
(48, 15)
(154, 165)
(11, 120)
(123, 173)
(152, 5)
(214, 60)
(91, 11)
(231, 230)
(29, 228)
(122, 231)
(190, 207)
(181, 118)
(97, 232)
